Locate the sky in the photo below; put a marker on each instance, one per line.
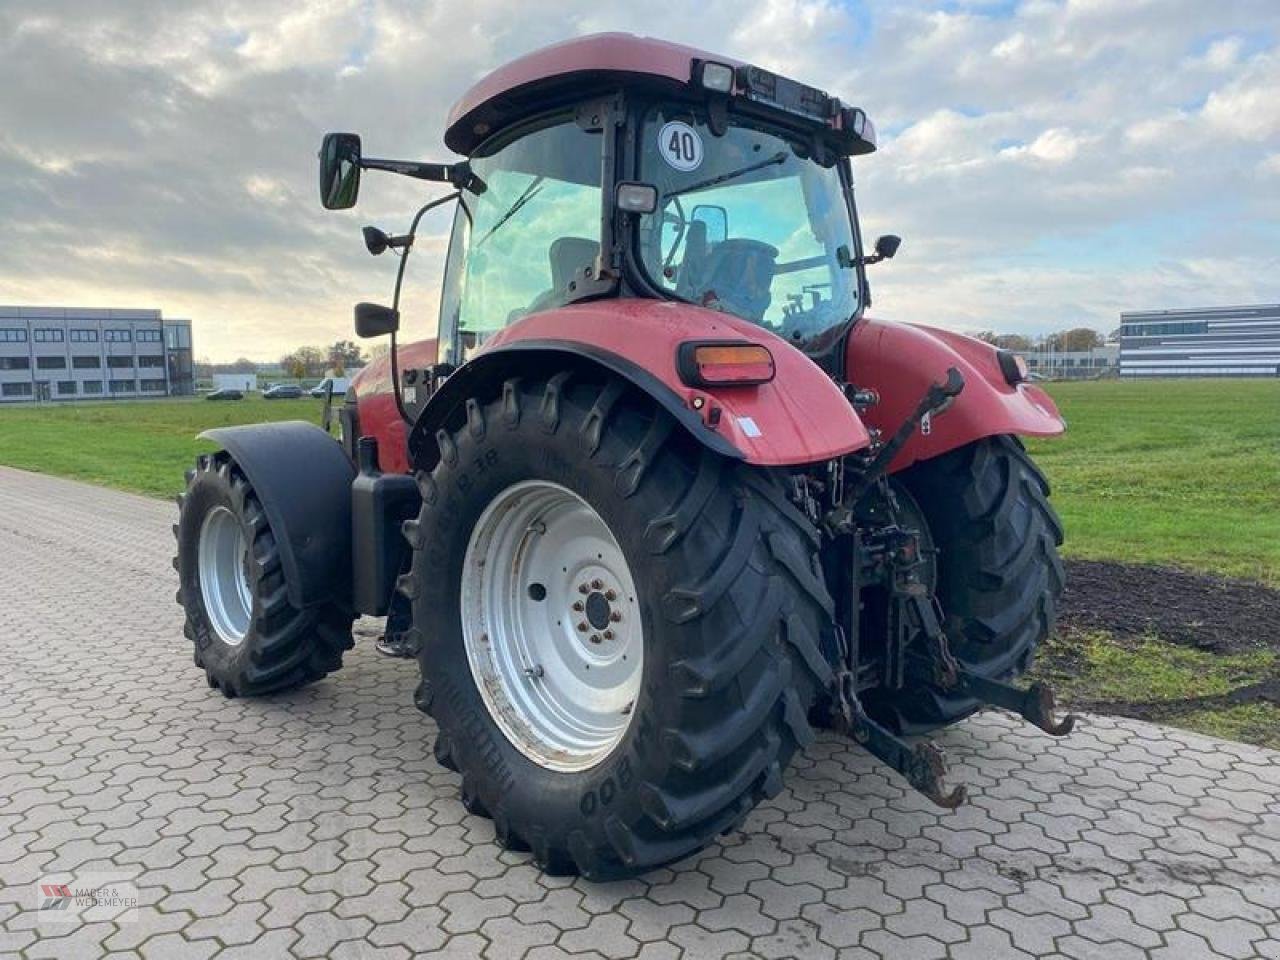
(1048, 163)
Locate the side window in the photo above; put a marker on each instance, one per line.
(519, 241)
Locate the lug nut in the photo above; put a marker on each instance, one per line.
(615, 616)
(608, 634)
(578, 606)
(583, 588)
(610, 595)
(595, 638)
(582, 626)
(597, 584)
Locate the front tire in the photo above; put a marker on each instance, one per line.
(248, 638)
(998, 574)
(729, 601)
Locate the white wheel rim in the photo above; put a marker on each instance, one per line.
(551, 625)
(223, 558)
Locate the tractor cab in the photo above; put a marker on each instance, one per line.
(616, 165)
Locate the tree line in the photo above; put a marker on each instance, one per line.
(308, 361)
(1074, 339)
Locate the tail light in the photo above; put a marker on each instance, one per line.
(724, 364)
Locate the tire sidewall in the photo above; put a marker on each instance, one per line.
(209, 490)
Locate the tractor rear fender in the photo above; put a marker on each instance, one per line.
(303, 479)
(899, 361)
(799, 417)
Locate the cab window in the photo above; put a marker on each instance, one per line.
(526, 230)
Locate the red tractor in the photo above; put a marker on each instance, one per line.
(660, 497)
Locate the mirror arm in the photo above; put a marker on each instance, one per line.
(458, 174)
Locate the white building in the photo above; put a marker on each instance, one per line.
(1210, 342)
(69, 353)
(235, 381)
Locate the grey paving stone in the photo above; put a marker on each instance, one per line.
(316, 824)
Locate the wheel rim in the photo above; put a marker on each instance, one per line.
(224, 579)
(551, 625)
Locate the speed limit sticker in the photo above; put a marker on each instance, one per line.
(680, 145)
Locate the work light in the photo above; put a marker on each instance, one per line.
(716, 77)
(632, 197)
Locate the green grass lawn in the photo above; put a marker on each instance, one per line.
(1180, 472)
(1184, 472)
(142, 445)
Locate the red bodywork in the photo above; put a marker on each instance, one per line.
(900, 361)
(799, 417)
(376, 404)
(497, 98)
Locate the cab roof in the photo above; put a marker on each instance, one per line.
(523, 85)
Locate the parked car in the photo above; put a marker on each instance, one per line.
(339, 386)
(282, 391)
(225, 393)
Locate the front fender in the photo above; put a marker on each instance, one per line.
(302, 478)
(799, 417)
(899, 361)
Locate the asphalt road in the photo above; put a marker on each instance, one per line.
(316, 824)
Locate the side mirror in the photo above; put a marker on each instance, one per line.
(717, 221)
(339, 170)
(375, 320)
(375, 240)
(887, 246)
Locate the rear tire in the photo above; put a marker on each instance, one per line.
(248, 638)
(728, 592)
(999, 576)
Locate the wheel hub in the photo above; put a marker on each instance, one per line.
(551, 625)
(598, 610)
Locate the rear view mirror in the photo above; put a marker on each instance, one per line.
(339, 170)
(887, 246)
(375, 320)
(716, 219)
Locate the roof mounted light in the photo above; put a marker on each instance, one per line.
(713, 76)
(859, 127)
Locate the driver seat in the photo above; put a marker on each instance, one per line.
(569, 257)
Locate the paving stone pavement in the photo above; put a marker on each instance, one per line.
(315, 824)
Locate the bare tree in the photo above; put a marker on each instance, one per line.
(1077, 338)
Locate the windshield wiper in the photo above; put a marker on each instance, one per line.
(529, 193)
(779, 157)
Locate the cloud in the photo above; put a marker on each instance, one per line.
(1046, 161)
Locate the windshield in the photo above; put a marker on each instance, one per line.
(519, 241)
(746, 225)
